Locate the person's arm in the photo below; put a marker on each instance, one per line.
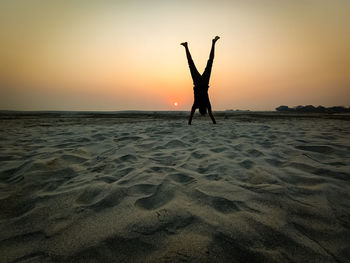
(191, 115)
(211, 115)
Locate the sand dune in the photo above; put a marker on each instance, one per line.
(157, 190)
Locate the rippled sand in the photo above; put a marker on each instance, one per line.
(153, 189)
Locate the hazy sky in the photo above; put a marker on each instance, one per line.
(122, 55)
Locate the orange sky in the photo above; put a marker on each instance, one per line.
(124, 55)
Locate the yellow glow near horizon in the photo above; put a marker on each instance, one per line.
(127, 55)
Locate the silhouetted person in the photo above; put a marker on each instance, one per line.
(201, 83)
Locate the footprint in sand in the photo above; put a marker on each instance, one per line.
(315, 148)
(174, 143)
(181, 178)
(198, 155)
(218, 203)
(127, 138)
(247, 164)
(274, 162)
(99, 198)
(128, 158)
(254, 153)
(218, 149)
(142, 189)
(162, 195)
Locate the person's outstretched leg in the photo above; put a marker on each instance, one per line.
(194, 72)
(191, 115)
(207, 71)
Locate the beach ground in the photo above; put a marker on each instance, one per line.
(133, 187)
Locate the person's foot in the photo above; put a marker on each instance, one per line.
(216, 39)
(184, 44)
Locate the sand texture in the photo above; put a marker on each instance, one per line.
(144, 189)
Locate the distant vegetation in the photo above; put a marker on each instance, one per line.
(313, 109)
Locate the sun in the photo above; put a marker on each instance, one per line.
(176, 104)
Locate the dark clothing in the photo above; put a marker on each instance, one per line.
(201, 97)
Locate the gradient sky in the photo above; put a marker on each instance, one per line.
(124, 55)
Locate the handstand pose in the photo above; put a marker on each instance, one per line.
(201, 83)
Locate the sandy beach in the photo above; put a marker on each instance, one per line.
(150, 188)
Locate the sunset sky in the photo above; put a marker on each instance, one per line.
(126, 55)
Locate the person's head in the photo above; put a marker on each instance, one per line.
(203, 110)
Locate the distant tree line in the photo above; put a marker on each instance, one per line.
(313, 109)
